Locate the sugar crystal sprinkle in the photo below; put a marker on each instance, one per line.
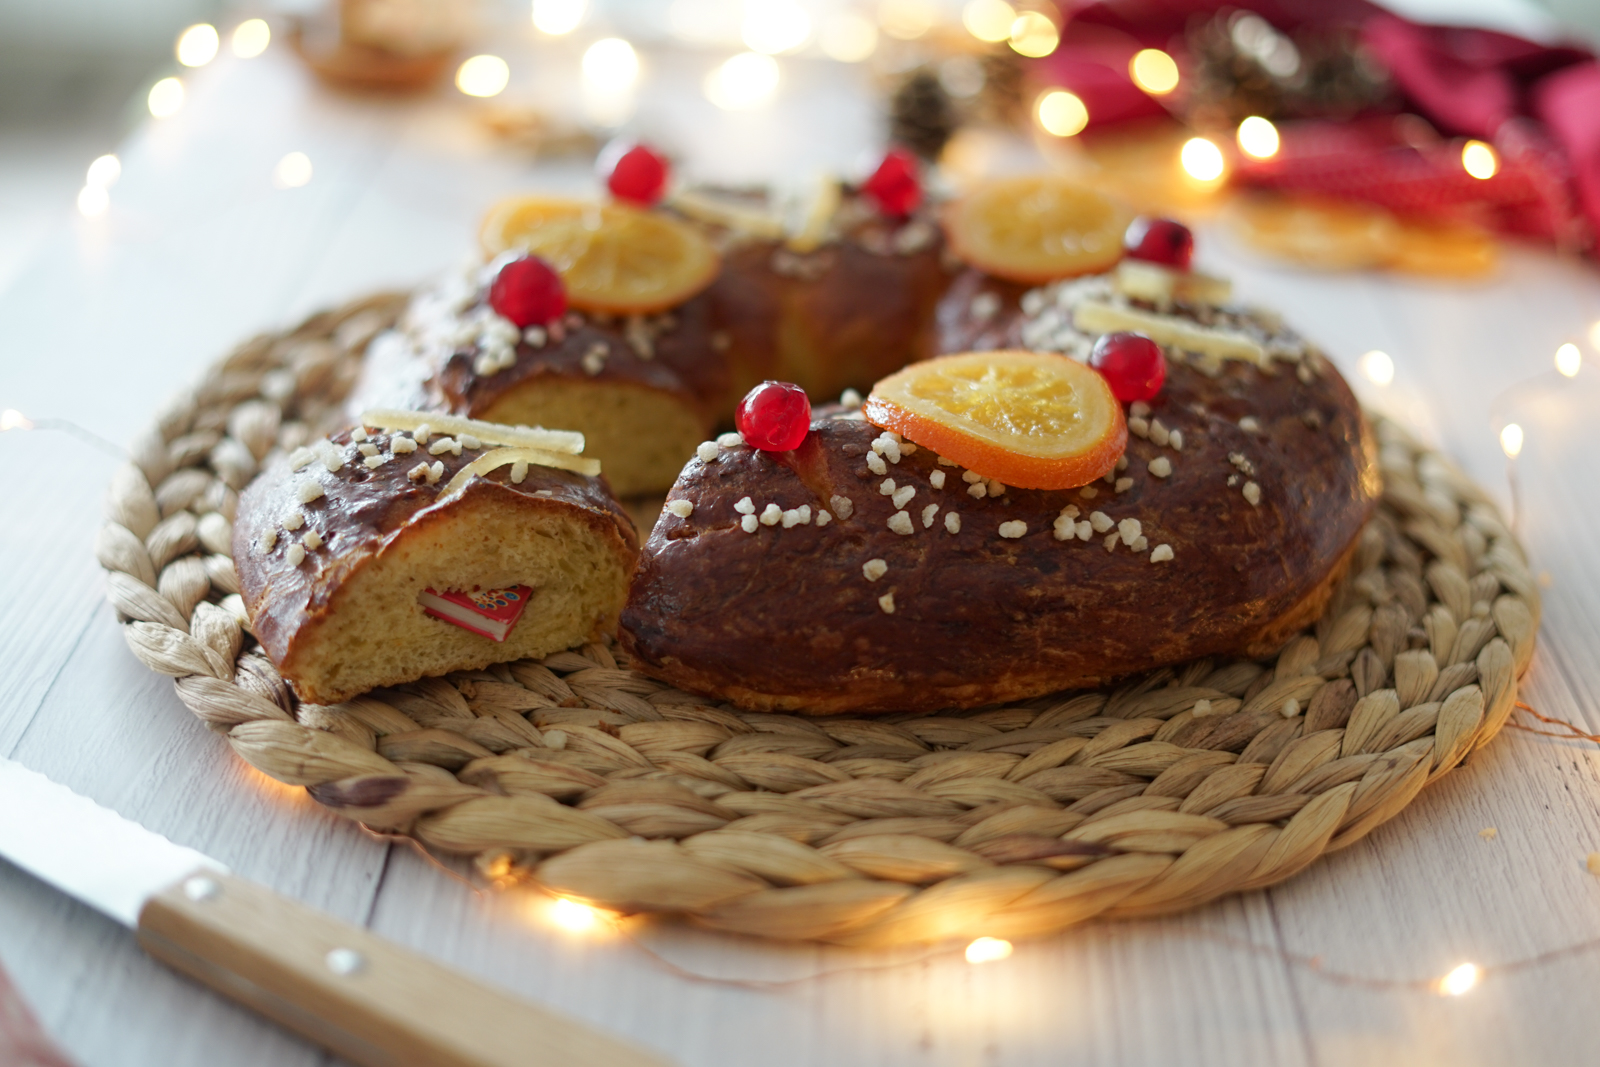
(1100, 521)
(928, 514)
(791, 518)
(876, 464)
(1088, 492)
(300, 457)
(402, 445)
(1161, 467)
(422, 433)
(436, 471)
(842, 505)
(745, 507)
(1085, 531)
(886, 487)
(359, 434)
(681, 508)
(418, 473)
(730, 439)
(1252, 493)
(312, 540)
(873, 569)
(996, 488)
(367, 448)
(936, 479)
(978, 490)
(900, 523)
(310, 491)
(706, 451)
(1124, 484)
(948, 462)
(1129, 529)
(824, 517)
(268, 540)
(850, 398)
(952, 522)
(372, 463)
(902, 496)
(469, 441)
(294, 521)
(1249, 424)
(771, 515)
(1013, 529)
(296, 555)
(749, 524)
(519, 471)
(1175, 439)
(886, 602)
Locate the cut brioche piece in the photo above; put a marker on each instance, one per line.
(335, 600)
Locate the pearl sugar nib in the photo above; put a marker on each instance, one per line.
(529, 292)
(774, 416)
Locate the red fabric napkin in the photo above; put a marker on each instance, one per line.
(22, 1042)
(1538, 105)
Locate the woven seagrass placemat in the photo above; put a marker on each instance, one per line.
(598, 783)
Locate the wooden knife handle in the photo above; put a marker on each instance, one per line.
(349, 990)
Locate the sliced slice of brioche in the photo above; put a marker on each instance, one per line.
(334, 599)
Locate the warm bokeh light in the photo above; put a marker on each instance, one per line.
(104, 171)
(610, 63)
(1569, 360)
(93, 201)
(483, 76)
(774, 26)
(1258, 137)
(197, 45)
(848, 37)
(12, 419)
(1034, 35)
(572, 916)
(292, 171)
(251, 37)
(1479, 160)
(988, 949)
(1201, 159)
(1377, 367)
(1154, 71)
(1511, 444)
(743, 82)
(557, 17)
(166, 98)
(988, 20)
(1061, 113)
(1464, 977)
(907, 19)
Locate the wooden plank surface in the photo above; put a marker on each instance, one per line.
(200, 250)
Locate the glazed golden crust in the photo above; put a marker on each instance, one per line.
(787, 618)
(670, 354)
(842, 316)
(361, 512)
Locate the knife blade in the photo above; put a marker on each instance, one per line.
(342, 987)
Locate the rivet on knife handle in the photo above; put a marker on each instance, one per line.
(345, 988)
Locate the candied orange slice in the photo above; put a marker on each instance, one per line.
(1036, 228)
(1442, 249)
(1029, 419)
(613, 258)
(1317, 233)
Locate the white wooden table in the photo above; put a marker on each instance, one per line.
(198, 250)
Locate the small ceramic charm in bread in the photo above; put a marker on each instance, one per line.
(1115, 472)
(417, 544)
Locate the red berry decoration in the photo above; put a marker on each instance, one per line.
(1131, 364)
(634, 173)
(529, 292)
(774, 416)
(894, 186)
(1160, 241)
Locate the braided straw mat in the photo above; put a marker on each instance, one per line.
(595, 782)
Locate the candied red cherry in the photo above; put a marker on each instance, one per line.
(1161, 241)
(774, 416)
(529, 292)
(634, 172)
(894, 186)
(1131, 364)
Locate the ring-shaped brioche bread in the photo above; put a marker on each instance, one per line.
(1245, 489)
